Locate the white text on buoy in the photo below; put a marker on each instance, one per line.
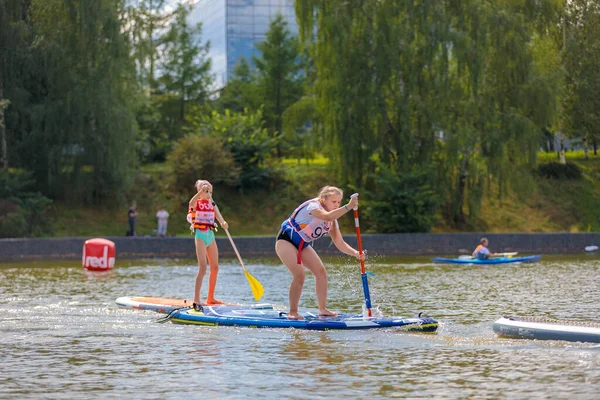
(98, 255)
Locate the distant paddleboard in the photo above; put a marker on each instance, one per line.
(167, 305)
(547, 329)
(494, 260)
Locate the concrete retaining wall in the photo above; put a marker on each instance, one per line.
(380, 244)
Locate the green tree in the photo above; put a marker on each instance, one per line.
(73, 116)
(395, 77)
(505, 83)
(199, 157)
(302, 120)
(249, 142)
(186, 78)
(241, 92)
(279, 75)
(145, 19)
(144, 22)
(23, 209)
(405, 202)
(581, 58)
(15, 41)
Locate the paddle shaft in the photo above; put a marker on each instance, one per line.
(365, 279)
(237, 253)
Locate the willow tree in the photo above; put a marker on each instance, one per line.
(381, 79)
(408, 86)
(506, 82)
(82, 122)
(581, 59)
(15, 42)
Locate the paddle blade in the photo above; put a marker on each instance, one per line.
(257, 288)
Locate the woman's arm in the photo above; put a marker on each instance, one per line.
(193, 200)
(335, 214)
(329, 215)
(222, 221)
(220, 218)
(339, 242)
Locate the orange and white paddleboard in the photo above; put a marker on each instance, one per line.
(166, 305)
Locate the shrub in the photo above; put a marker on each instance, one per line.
(199, 157)
(404, 202)
(22, 210)
(248, 140)
(555, 170)
(12, 220)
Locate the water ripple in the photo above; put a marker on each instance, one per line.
(64, 337)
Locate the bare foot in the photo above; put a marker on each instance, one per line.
(213, 302)
(327, 313)
(295, 315)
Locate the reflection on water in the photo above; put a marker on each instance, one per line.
(64, 337)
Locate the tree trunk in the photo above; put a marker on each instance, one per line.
(459, 214)
(151, 46)
(182, 104)
(3, 104)
(278, 113)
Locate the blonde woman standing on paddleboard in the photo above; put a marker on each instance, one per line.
(202, 217)
(310, 221)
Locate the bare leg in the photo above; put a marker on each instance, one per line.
(313, 263)
(201, 256)
(213, 259)
(288, 255)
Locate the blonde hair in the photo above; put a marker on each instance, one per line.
(200, 183)
(327, 191)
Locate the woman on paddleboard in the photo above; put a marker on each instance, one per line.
(310, 221)
(201, 216)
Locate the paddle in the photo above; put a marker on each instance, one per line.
(508, 255)
(255, 285)
(365, 279)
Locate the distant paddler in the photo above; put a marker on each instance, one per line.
(482, 252)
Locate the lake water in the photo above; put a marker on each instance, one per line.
(64, 337)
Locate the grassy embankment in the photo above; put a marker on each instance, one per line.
(253, 213)
(553, 205)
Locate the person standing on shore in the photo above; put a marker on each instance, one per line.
(310, 221)
(201, 216)
(131, 215)
(163, 216)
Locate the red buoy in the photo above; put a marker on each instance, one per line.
(98, 255)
